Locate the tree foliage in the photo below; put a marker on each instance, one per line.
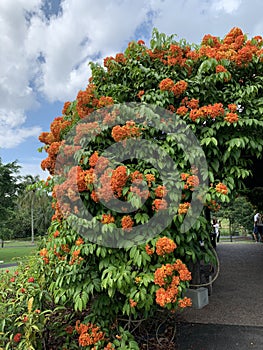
(213, 89)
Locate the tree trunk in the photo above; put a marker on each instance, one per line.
(32, 221)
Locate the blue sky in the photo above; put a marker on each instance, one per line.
(46, 47)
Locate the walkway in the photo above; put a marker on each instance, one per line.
(233, 319)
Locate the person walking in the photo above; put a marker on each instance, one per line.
(216, 227)
(256, 234)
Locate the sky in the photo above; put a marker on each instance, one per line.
(46, 47)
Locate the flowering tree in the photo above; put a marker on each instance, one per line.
(198, 112)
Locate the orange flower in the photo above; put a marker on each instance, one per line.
(182, 110)
(56, 234)
(132, 303)
(149, 251)
(129, 130)
(185, 302)
(150, 178)
(107, 219)
(192, 181)
(166, 84)
(231, 117)
(79, 241)
(183, 208)
(179, 88)
(94, 197)
(93, 159)
(184, 176)
(161, 191)
(43, 252)
(232, 107)
(193, 103)
(159, 204)
(127, 223)
(118, 180)
(140, 94)
(221, 188)
(164, 246)
(220, 68)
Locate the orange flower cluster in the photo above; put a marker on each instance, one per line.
(176, 55)
(81, 178)
(104, 101)
(232, 107)
(220, 68)
(142, 194)
(182, 110)
(66, 107)
(89, 334)
(93, 159)
(192, 104)
(105, 189)
(212, 111)
(53, 141)
(75, 257)
(56, 127)
(136, 177)
(44, 254)
(150, 179)
(159, 204)
(82, 129)
(109, 62)
(107, 219)
(221, 188)
(184, 176)
(79, 241)
(165, 245)
(169, 85)
(90, 176)
(179, 88)
(185, 302)
(183, 208)
(168, 277)
(140, 94)
(160, 191)
(118, 180)
(231, 117)
(132, 303)
(192, 181)
(129, 130)
(234, 47)
(120, 58)
(87, 101)
(166, 84)
(149, 250)
(127, 223)
(94, 197)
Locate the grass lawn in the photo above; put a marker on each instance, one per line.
(12, 254)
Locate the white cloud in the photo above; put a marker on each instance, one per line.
(12, 137)
(33, 168)
(227, 6)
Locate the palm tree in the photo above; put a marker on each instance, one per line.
(37, 202)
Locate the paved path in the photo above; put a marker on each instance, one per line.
(233, 319)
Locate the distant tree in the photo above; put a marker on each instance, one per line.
(255, 196)
(34, 204)
(239, 212)
(9, 188)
